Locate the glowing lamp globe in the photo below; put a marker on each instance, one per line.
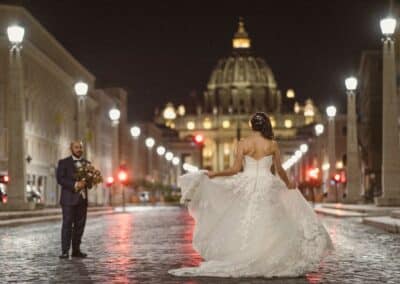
(114, 114)
(351, 83)
(388, 26)
(150, 142)
(15, 34)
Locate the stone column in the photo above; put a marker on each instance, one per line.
(390, 132)
(353, 172)
(16, 135)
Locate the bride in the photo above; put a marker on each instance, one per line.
(248, 224)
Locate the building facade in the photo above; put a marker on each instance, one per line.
(51, 117)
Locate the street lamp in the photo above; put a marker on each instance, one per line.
(150, 142)
(114, 114)
(304, 148)
(169, 156)
(352, 164)
(176, 161)
(135, 133)
(81, 89)
(161, 150)
(16, 121)
(390, 135)
(331, 113)
(15, 35)
(319, 129)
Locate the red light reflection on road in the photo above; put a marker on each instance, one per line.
(193, 258)
(119, 247)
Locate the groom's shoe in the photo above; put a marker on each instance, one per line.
(79, 254)
(64, 255)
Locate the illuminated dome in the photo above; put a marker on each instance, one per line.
(242, 83)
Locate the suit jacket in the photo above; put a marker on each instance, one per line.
(66, 178)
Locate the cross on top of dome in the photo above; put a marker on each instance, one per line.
(241, 39)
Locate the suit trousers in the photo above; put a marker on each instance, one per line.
(74, 220)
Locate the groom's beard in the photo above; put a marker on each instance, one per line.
(77, 155)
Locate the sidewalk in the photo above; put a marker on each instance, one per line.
(385, 218)
(15, 218)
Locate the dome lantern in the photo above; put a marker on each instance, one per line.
(241, 39)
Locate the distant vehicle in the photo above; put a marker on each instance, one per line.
(3, 186)
(32, 194)
(144, 196)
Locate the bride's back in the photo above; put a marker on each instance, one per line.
(257, 146)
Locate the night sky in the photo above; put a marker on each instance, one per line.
(159, 54)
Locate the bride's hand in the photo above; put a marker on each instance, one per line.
(291, 185)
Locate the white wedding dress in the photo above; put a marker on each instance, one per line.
(251, 225)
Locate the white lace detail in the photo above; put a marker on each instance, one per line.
(251, 225)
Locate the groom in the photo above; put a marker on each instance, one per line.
(73, 202)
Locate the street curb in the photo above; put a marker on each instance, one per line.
(8, 215)
(386, 223)
(57, 217)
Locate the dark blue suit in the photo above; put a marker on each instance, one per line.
(74, 206)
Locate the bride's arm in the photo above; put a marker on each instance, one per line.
(278, 167)
(235, 168)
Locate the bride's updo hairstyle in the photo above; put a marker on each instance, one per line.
(260, 122)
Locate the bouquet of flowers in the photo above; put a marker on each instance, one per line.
(86, 172)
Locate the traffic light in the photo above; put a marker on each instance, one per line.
(313, 173)
(4, 179)
(199, 139)
(336, 177)
(123, 176)
(109, 181)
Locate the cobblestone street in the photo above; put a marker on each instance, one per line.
(140, 246)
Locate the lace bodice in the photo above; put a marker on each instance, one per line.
(257, 167)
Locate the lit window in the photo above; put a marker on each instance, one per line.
(273, 121)
(190, 125)
(297, 107)
(226, 124)
(288, 123)
(207, 123)
(339, 165)
(227, 149)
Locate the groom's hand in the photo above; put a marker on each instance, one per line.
(80, 185)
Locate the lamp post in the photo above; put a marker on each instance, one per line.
(114, 114)
(16, 123)
(150, 142)
(176, 162)
(135, 133)
(331, 113)
(390, 134)
(81, 89)
(352, 157)
(169, 156)
(160, 152)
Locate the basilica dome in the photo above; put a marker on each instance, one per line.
(242, 82)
